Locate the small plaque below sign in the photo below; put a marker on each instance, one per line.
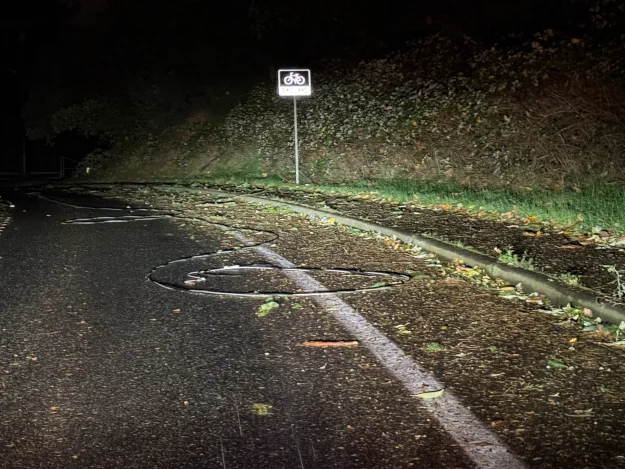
(294, 82)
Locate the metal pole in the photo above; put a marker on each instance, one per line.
(21, 69)
(24, 156)
(296, 143)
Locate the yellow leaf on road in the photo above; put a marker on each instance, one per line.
(262, 409)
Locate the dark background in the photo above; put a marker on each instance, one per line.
(59, 52)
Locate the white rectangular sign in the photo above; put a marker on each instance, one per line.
(294, 82)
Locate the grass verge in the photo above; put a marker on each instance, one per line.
(592, 207)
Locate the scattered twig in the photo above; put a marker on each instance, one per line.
(330, 343)
(223, 453)
(236, 407)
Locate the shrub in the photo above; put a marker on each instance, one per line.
(452, 106)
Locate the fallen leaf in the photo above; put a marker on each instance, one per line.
(262, 409)
(618, 344)
(479, 443)
(513, 297)
(496, 422)
(573, 340)
(553, 363)
(536, 300)
(402, 329)
(430, 394)
(267, 308)
(581, 413)
(434, 347)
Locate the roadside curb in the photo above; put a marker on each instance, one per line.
(556, 292)
(531, 281)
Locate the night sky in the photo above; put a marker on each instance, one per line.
(93, 46)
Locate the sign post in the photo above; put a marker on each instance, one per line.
(295, 140)
(294, 82)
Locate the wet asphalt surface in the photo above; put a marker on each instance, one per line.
(102, 368)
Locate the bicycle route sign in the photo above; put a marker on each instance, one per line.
(294, 82)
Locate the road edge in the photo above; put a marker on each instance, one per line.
(531, 281)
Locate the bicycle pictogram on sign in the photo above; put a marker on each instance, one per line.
(294, 78)
(294, 82)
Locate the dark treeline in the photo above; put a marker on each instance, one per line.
(157, 59)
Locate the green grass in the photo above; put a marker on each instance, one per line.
(241, 169)
(599, 205)
(509, 257)
(570, 279)
(596, 205)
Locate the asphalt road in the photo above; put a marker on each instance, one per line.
(108, 360)
(102, 368)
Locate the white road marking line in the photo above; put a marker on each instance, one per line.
(480, 444)
(122, 219)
